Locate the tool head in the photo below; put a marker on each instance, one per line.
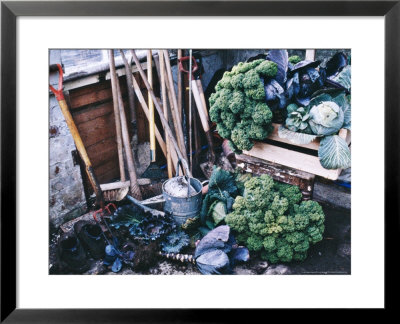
(116, 194)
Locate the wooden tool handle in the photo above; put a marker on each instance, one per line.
(202, 97)
(132, 108)
(164, 103)
(199, 105)
(160, 140)
(174, 109)
(160, 113)
(116, 116)
(151, 109)
(135, 190)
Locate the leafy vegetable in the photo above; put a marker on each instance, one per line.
(126, 216)
(221, 188)
(271, 219)
(336, 64)
(218, 212)
(238, 106)
(344, 78)
(175, 242)
(295, 137)
(334, 153)
(326, 118)
(294, 59)
(280, 57)
(297, 120)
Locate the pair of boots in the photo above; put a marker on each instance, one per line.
(72, 246)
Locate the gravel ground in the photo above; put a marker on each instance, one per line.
(330, 256)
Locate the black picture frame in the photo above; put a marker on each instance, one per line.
(10, 10)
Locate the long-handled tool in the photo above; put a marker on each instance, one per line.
(77, 138)
(164, 103)
(200, 104)
(174, 107)
(153, 171)
(112, 191)
(132, 108)
(160, 140)
(161, 114)
(134, 187)
(190, 114)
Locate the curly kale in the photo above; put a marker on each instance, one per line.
(239, 101)
(267, 69)
(251, 80)
(262, 115)
(241, 139)
(294, 59)
(271, 218)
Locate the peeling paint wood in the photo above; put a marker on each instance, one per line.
(97, 78)
(304, 180)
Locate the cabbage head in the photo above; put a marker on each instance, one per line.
(326, 118)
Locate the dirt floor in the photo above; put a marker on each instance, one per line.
(330, 256)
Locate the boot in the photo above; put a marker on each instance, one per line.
(71, 254)
(91, 236)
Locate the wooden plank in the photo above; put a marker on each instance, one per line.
(314, 145)
(310, 54)
(90, 88)
(94, 94)
(96, 78)
(109, 175)
(91, 98)
(93, 112)
(304, 180)
(107, 171)
(97, 130)
(103, 151)
(293, 159)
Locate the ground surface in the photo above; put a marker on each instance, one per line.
(330, 256)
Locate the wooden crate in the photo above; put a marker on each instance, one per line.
(294, 159)
(304, 180)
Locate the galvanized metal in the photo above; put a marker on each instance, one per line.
(182, 208)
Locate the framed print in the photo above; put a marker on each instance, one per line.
(362, 35)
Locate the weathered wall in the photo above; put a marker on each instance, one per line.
(66, 195)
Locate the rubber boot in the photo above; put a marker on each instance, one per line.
(72, 256)
(91, 237)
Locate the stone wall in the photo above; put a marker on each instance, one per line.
(66, 195)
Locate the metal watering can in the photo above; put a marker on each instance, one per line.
(180, 204)
(182, 196)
